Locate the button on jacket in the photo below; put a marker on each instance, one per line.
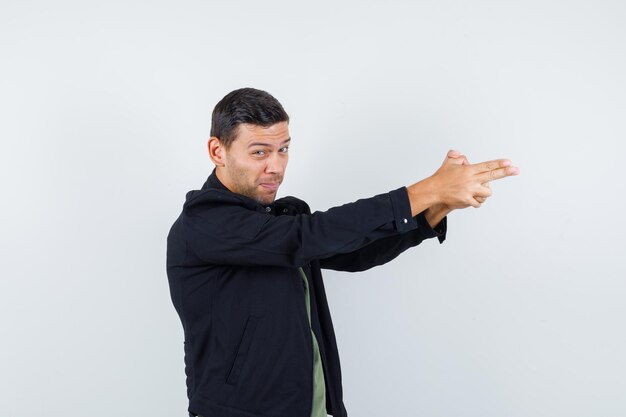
(233, 271)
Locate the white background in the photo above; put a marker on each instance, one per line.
(105, 113)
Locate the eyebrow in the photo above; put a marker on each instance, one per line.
(266, 144)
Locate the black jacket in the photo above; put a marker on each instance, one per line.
(232, 270)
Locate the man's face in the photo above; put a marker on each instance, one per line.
(256, 162)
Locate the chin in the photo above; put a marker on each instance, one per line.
(269, 201)
(267, 198)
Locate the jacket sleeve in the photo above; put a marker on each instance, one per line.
(230, 233)
(386, 249)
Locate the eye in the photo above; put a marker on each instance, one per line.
(285, 149)
(259, 153)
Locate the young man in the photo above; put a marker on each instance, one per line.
(244, 268)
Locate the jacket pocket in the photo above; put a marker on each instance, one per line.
(242, 350)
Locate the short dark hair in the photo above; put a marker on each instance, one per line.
(245, 105)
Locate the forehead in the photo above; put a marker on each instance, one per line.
(250, 133)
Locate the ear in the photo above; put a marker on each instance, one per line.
(216, 151)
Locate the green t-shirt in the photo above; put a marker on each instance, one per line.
(319, 389)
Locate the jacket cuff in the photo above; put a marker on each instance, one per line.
(405, 222)
(427, 231)
(403, 219)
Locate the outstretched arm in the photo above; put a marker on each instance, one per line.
(218, 229)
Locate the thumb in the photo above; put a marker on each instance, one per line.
(456, 157)
(453, 153)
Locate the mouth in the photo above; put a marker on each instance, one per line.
(270, 185)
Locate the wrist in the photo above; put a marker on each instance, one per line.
(422, 195)
(435, 213)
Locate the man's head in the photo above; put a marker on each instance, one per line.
(249, 143)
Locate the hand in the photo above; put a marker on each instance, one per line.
(462, 160)
(456, 184)
(459, 184)
(455, 157)
(435, 213)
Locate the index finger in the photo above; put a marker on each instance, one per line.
(496, 174)
(491, 165)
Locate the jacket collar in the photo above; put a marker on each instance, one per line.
(284, 205)
(213, 182)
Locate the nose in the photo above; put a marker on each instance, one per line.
(276, 164)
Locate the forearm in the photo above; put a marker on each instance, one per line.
(385, 249)
(376, 253)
